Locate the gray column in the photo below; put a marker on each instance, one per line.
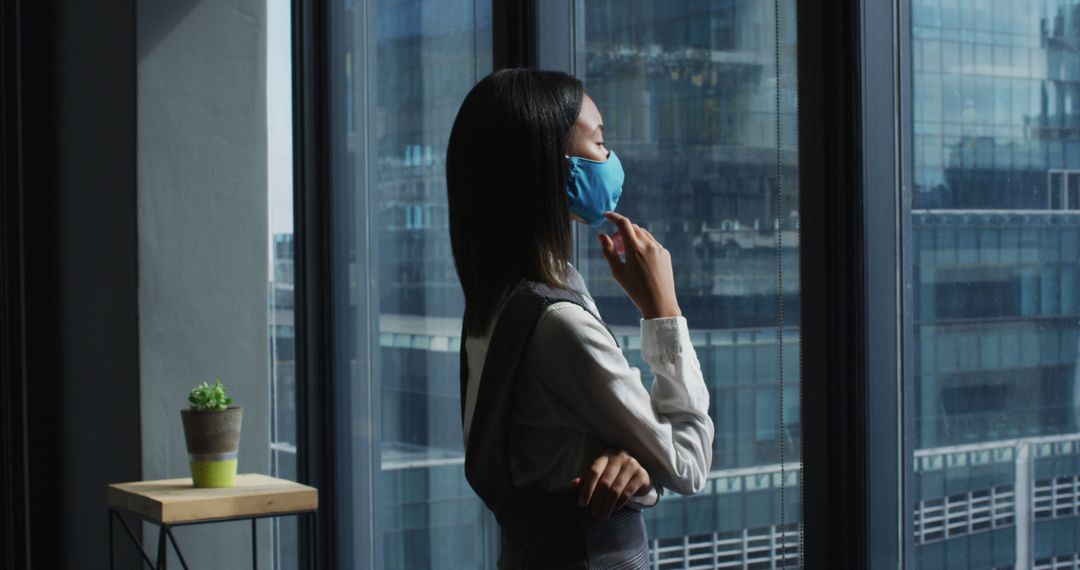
(203, 238)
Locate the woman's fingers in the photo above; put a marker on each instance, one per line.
(620, 247)
(634, 486)
(613, 479)
(646, 273)
(607, 247)
(597, 480)
(603, 490)
(604, 498)
(648, 235)
(618, 494)
(588, 485)
(634, 235)
(626, 228)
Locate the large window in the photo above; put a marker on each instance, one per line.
(281, 298)
(941, 197)
(700, 102)
(994, 236)
(400, 71)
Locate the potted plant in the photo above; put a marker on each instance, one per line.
(212, 432)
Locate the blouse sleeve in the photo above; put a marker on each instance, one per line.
(668, 431)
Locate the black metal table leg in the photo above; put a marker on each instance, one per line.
(254, 545)
(314, 558)
(135, 541)
(176, 547)
(165, 535)
(162, 554)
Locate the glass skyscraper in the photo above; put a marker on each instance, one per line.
(996, 213)
(704, 123)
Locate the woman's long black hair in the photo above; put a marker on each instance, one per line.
(505, 178)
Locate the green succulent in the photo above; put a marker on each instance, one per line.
(207, 398)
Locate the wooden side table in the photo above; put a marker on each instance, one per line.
(175, 502)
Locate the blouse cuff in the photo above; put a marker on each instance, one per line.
(666, 336)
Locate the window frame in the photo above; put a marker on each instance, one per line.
(853, 76)
(319, 401)
(854, 82)
(312, 238)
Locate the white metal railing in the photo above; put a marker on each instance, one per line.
(975, 511)
(750, 548)
(1018, 504)
(1058, 562)
(1056, 498)
(935, 519)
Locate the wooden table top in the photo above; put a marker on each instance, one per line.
(177, 501)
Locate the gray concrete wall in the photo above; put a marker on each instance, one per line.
(202, 238)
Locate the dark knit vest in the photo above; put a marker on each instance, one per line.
(537, 530)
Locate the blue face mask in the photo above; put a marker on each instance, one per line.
(594, 187)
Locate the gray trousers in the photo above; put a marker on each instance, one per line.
(580, 543)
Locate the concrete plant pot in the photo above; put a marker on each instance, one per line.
(213, 444)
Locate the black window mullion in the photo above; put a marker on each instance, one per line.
(887, 318)
(906, 282)
(314, 333)
(14, 463)
(854, 211)
(851, 216)
(513, 24)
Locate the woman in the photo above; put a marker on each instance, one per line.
(546, 391)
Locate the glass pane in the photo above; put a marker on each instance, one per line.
(1056, 188)
(705, 126)
(282, 332)
(994, 248)
(1072, 196)
(401, 69)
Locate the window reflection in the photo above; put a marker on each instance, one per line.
(281, 305)
(996, 140)
(409, 65)
(689, 96)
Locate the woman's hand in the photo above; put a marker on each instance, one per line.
(611, 482)
(646, 274)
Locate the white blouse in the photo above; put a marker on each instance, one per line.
(578, 396)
